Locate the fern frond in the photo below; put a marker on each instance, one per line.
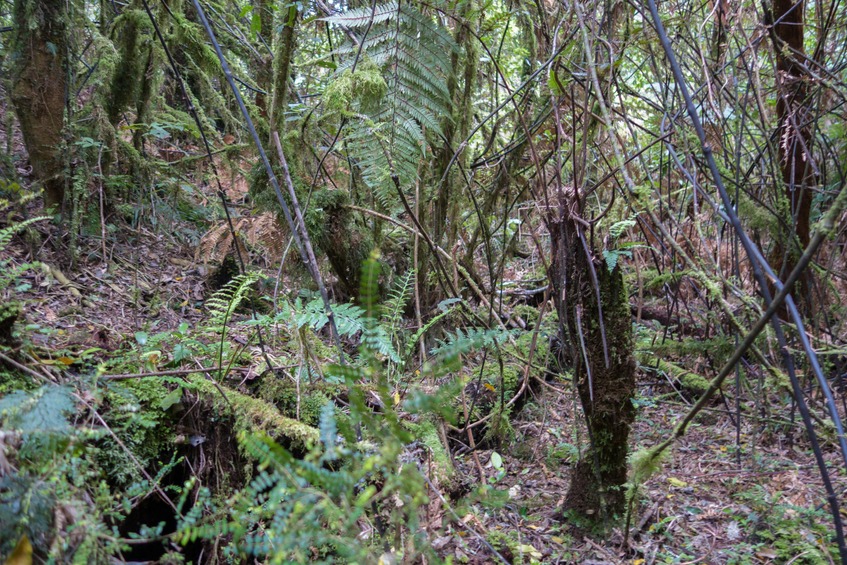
(413, 341)
(223, 303)
(8, 232)
(413, 53)
(42, 411)
(348, 317)
(398, 298)
(467, 340)
(361, 17)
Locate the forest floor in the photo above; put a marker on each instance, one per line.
(721, 498)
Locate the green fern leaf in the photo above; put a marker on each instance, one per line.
(223, 303)
(398, 298)
(413, 53)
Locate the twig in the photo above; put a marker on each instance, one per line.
(166, 373)
(459, 520)
(24, 368)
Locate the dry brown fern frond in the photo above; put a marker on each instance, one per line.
(260, 232)
(215, 244)
(264, 231)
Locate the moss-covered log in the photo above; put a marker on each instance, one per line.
(255, 414)
(39, 79)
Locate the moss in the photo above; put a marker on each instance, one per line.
(136, 416)
(718, 348)
(9, 313)
(283, 394)
(255, 414)
(365, 85)
(605, 389)
(528, 313)
(692, 382)
(38, 84)
(131, 32)
(334, 230)
(427, 433)
(12, 380)
(500, 428)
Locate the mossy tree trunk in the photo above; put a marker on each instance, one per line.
(456, 129)
(284, 44)
(264, 68)
(605, 374)
(39, 78)
(333, 228)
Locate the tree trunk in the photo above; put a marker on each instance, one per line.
(283, 52)
(264, 69)
(38, 89)
(793, 134)
(606, 385)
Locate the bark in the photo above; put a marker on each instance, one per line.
(283, 53)
(605, 390)
(38, 89)
(793, 133)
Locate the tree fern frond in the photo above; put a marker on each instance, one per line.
(413, 53)
(362, 17)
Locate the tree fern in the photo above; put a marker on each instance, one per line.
(413, 55)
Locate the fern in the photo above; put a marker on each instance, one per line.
(375, 340)
(40, 419)
(310, 509)
(42, 411)
(446, 309)
(467, 340)
(413, 55)
(7, 273)
(348, 317)
(398, 298)
(9, 231)
(223, 303)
